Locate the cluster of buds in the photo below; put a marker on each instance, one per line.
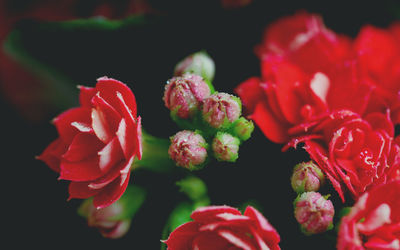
(312, 211)
(206, 117)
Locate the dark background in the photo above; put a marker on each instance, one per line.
(36, 209)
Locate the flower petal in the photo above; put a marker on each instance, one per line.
(80, 190)
(52, 154)
(208, 214)
(110, 155)
(112, 192)
(269, 125)
(268, 232)
(250, 93)
(209, 241)
(111, 175)
(64, 120)
(83, 146)
(182, 236)
(109, 88)
(86, 170)
(100, 126)
(85, 95)
(238, 240)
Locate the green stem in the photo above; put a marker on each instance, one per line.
(155, 154)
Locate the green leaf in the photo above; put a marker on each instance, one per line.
(193, 187)
(96, 23)
(132, 199)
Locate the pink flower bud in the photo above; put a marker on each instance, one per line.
(104, 219)
(225, 147)
(220, 110)
(313, 212)
(184, 94)
(307, 177)
(199, 63)
(188, 149)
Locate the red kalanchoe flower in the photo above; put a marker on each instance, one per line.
(353, 150)
(374, 221)
(307, 72)
(224, 227)
(97, 142)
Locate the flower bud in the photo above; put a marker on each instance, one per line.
(313, 212)
(114, 220)
(307, 177)
(188, 149)
(199, 63)
(243, 128)
(184, 94)
(225, 147)
(102, 219)
(220, 110)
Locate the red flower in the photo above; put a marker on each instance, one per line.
(379, 55)
(98, 142)
(374, 221)
(356, 151)
(224, 227)
(307, 72)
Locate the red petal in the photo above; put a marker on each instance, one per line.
(110, 155)
(241, 241)
(250, 93)
(266, 230)
(280, 36)
(80, 190)
(111, 115)
(209, 241)
(208, 214)
(287, 78)
(129, 131)
(379, 121)
(228, 221)
(52, 154)
(109, 87)
(86, 170)
(111, 175)
(85, 95)
(100, 126)
(83, 146)
(105, 119)
(376, 48)
(111, 192)
(181, 238)
(269, 125)
(64, 120)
